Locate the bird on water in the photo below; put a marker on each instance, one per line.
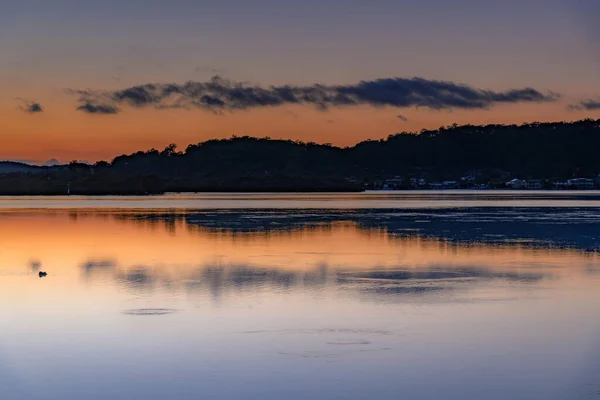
(42, 274)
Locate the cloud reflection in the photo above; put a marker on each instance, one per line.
(149, 311)
(94, 265)
(136, 278)
(375, 254)
(438, 273)
(230, 280)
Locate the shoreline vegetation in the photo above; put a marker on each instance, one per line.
(560, 155)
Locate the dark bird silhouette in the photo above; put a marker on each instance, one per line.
(42, 274)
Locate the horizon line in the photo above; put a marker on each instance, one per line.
(40, 163)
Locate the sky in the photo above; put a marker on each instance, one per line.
(89, 80)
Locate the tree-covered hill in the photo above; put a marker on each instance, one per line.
(556, 151)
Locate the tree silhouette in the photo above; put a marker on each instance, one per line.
(487, 153)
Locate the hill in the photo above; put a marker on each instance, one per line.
(7, 167)
(489, 154)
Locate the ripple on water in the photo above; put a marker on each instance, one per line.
(149, 311)
(324, 330)
(349, 342)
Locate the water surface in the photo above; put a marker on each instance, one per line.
(356, 297)
(370, 199)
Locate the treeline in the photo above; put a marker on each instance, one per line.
(558, 151)
(114, 183)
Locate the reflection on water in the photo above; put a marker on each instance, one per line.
(287, 201)
(149, 311)
(454, 303)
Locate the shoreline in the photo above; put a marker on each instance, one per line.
(319, 192)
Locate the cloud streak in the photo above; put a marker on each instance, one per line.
(586, 105)
(105, 109)
(31, 107)
(219, 94)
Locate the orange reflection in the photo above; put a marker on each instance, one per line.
(63, 239)
(97, 259)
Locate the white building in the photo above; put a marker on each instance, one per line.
(449, 184)
(534, 184)
(417, 182)
(517, 184)
(581, 183)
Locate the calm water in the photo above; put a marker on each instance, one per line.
(450, 295)
(366, 200)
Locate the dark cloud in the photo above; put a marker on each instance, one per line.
(95, 102)
(98, 108)
(34, 108)
(586, 105)
(401, 117)
(219, 94)
(31, 107)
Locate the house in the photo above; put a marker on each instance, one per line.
(560, 185)
(417, 182)
(468, 180)
(581, 183)
(516, 184)
(394, 183)
(449, 185)
(443, 185)
(533, 184)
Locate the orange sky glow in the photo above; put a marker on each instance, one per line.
(66, 135)
(49, 49)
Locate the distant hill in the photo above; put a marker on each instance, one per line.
(52, 163)
(487, 154)
(7, 167)
(558, 150)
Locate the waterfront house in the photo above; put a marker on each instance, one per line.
(560, 185)
(449, 185)
(581, 183)
(516, 184)
(417, 182)
(533, 184)
(394, 183)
